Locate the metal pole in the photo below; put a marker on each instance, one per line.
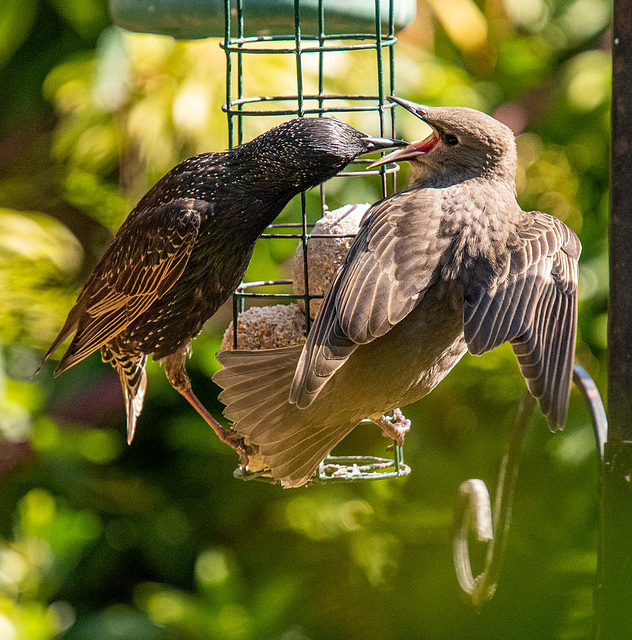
(614, 593)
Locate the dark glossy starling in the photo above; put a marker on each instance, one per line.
(185, 247)
(451, 264)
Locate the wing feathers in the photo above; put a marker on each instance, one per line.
(531, 302)
(146, 258)
(291, 442)
(392, 261)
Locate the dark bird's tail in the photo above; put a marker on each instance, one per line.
(131, 370)
(291, 441)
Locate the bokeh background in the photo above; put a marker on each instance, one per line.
(100, 541)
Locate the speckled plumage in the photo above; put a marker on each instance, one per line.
(451, 264)
(186, 245)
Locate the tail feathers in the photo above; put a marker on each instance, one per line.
(131, 370)
(252, 379)
(291, 441)
(134, 401)
(255, 383)
(297, 467)
(247, 392)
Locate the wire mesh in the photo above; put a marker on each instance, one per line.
(239, 106)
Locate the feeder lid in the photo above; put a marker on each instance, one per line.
(205, 18)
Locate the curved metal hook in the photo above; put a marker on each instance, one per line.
(474, 506)
(598, 416)
(474, 511)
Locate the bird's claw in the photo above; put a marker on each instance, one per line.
(394, 427)
(242, 451)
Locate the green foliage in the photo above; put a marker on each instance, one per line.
(158, 541)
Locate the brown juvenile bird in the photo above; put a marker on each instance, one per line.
(450, 264)
(185, 247)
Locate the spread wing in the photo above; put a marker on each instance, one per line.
(145, 259)
(532, 303)
(392, 260)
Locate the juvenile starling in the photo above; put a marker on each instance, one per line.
(450, 264)
(185, 247)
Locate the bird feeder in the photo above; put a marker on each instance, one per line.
(320, 28)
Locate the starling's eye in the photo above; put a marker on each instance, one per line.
(450, 139)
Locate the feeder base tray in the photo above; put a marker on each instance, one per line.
(343, 469)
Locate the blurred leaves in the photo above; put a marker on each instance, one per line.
(16, 19)
(39, 257)
(87, 17)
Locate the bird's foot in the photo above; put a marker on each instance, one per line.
(256, 463)
(394, 427)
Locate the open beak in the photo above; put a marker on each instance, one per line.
(416, 148)
(382, 144)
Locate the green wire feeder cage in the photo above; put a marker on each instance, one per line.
(301, 29)
(309, 37)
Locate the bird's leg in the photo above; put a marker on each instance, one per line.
(228, 436)
(177, 376)
(394, 427)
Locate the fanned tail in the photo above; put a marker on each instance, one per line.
(131, 370)
(291, 441)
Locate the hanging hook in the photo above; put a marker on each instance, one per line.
(474, 510)
(474, 507)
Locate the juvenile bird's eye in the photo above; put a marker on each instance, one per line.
(450, 139)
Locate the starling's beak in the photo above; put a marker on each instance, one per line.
(418, 110)
(382, 144)
(416, 148)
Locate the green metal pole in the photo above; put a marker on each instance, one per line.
(614, 593)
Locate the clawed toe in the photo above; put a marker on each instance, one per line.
(395, 427)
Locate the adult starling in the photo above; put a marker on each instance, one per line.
(185, 247)
(450, 264)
